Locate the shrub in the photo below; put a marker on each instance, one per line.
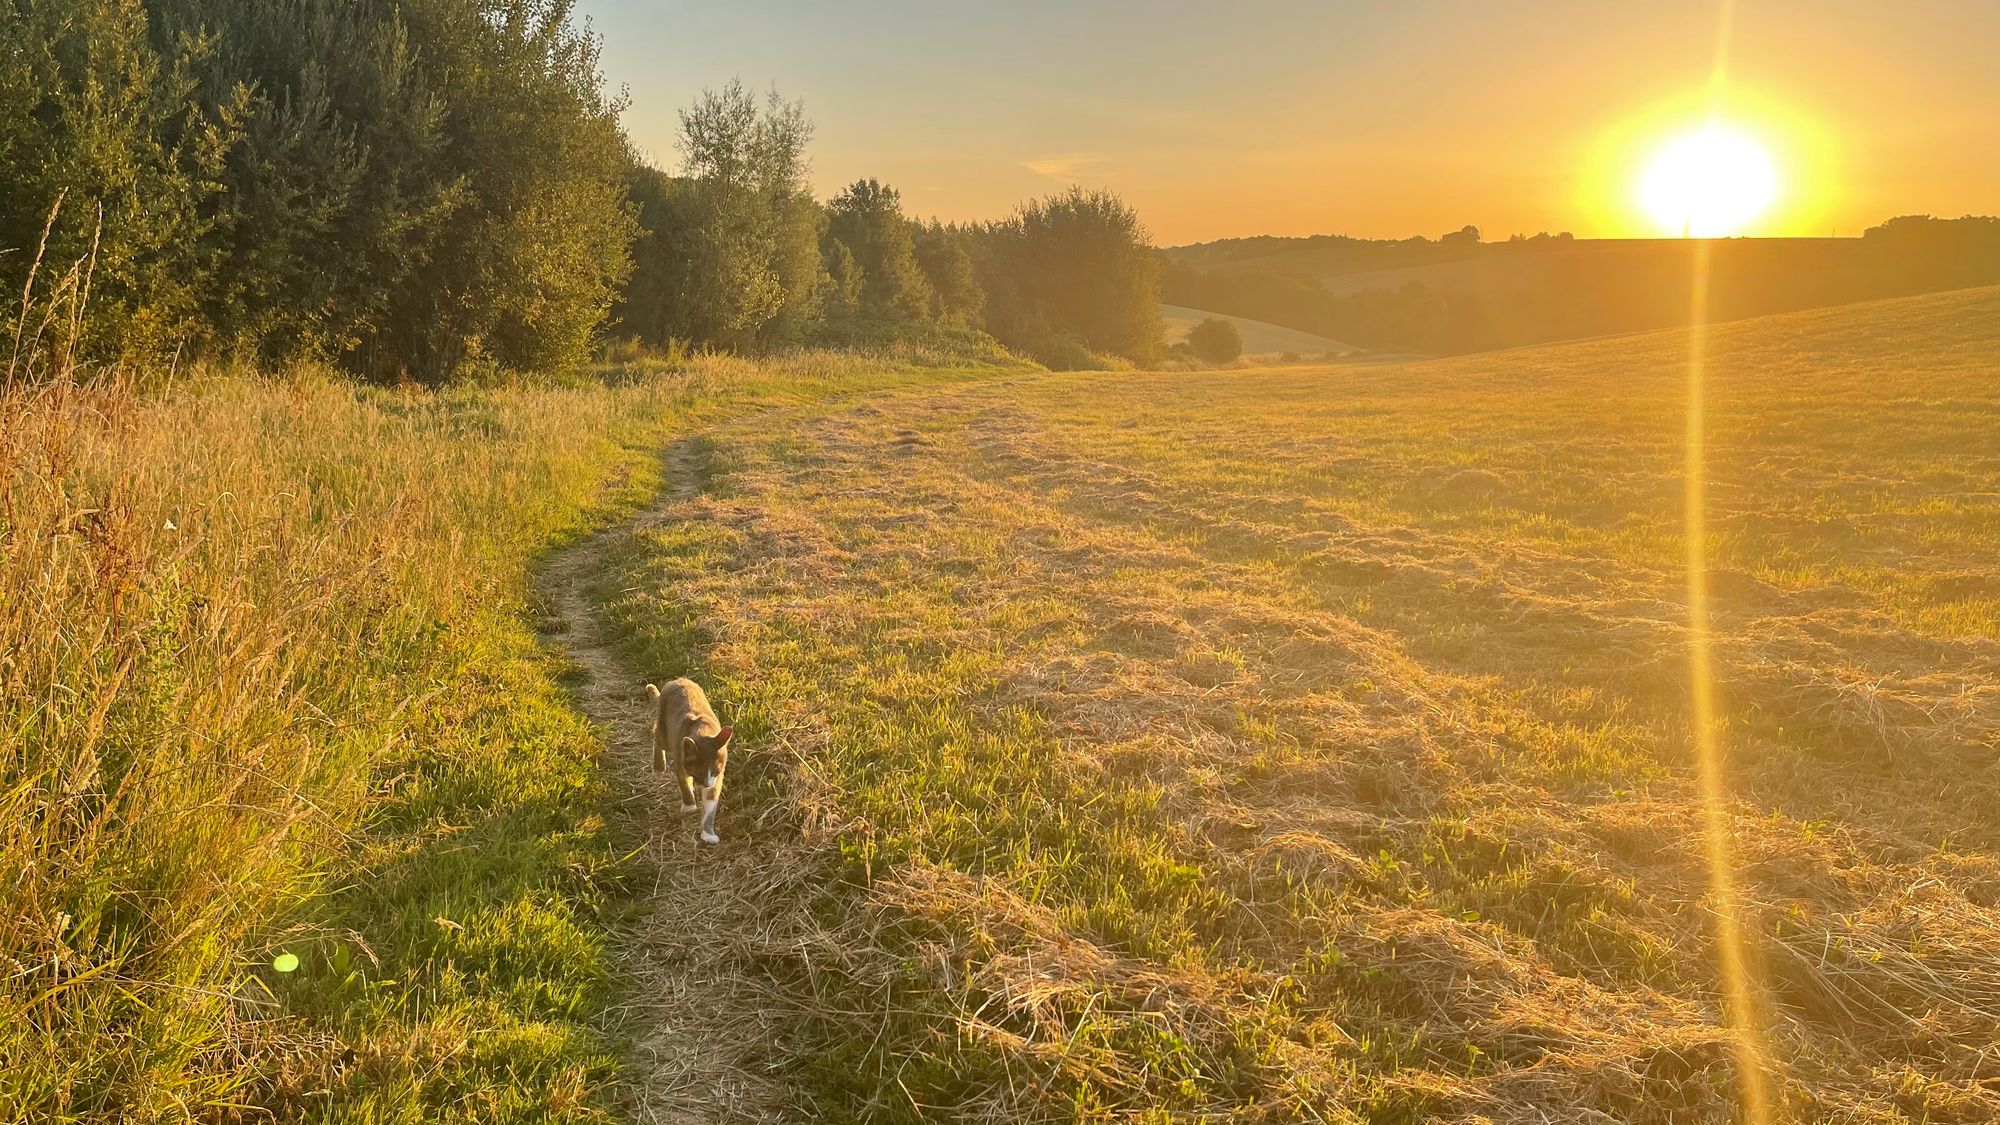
(101, 185)
(1064, 352)
(1216, 340)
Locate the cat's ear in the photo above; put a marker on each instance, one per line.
(722, 739)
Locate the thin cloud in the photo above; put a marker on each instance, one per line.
(1067, 166)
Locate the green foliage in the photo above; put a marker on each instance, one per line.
(731, 252)
(844, 281)
(1216, 340)
(425, 189)
(867, 218)
(736, 255)
(1064, 352)
(330, 173)
(412, 188)
(945, 256)
(1074, 264)
(526, 264)
(99, 149)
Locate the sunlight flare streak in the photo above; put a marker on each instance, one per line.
(1739, 1002)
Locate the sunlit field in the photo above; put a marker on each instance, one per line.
(1313, 744)
(1227, 597)
(299, 819)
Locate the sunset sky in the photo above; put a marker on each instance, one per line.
(1371, 119)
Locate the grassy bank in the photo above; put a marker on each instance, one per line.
(270, 690)
(1286, 746)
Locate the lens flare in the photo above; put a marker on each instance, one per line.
(1732, 165)
(1739, 996)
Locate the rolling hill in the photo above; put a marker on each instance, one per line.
(1457, 295)
(1259, 338)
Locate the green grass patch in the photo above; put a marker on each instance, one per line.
(302, 820)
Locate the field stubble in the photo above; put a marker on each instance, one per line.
(1299, 745)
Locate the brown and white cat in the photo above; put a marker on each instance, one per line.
(687, 733)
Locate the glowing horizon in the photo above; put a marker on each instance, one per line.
(1297, 118)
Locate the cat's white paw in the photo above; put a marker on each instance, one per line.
(689, 807)
(710, 838)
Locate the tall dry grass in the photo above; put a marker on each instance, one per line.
(223, 607)
(217, 604)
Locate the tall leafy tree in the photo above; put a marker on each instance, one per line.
(867, 218)
(731, 251)
(525, 262)
(410, 187)
(335, 171)
(944, 254)
(425, 188)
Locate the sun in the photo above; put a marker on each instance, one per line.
(1711, 182)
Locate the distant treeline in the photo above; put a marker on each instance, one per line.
(427, 188)
(1339, 253)
(736, 253)
(1468, 295)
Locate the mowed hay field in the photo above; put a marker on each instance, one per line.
(1314, 744)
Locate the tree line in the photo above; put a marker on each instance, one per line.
(735, 252)
(426, 189)
(1544, 288)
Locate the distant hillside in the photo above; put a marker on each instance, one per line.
(1458, 294)
(1258, 337)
